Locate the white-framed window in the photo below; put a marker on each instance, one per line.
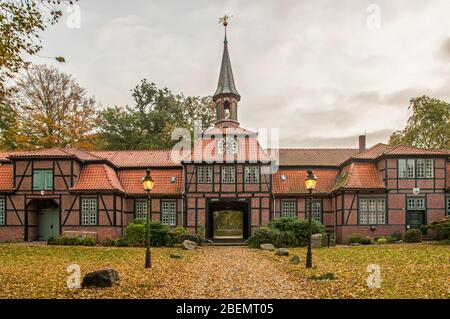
(228, 174)
(372, 211)
(416, 203)
(140, 210)
(420, 168)
(2, 211)
(169, 213)
(252, 174)
(89, 211)
(429, 168)
(316, 210)
(288, 208)
(204, 174)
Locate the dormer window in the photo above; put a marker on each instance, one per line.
(173, 179)
(283, 177)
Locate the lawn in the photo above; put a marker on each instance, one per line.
(407, 271)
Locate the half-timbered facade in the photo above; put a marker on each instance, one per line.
(373, 191)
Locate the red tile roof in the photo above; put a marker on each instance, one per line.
(314, 157)
(57, 152)
(98, 177)
(249, 150)
(131, 179)
(294, 181)
(359, 175)
(373, 152)
(408, 150)
(383, 149)
(144, 158)
(6, 177)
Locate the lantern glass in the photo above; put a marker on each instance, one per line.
(310, 181)
(147, 181)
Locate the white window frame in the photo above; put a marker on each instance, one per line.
(204, 174)
(228, 174)
(169, 212)
(288, 208)
(140, 210)
(252, 174)
(416, 203)
(420, 168)
(372, 211)
(2, 211)
(89, 211)
(447, 205)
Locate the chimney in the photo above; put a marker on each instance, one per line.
(362, 143)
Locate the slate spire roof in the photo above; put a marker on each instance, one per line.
(226, 83)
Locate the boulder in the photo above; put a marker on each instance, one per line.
(282, 252)
(269, 247)
(316, 241)
(189, 245)
(100, 278)
(295, 260)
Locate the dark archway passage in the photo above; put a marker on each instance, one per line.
(227, 219)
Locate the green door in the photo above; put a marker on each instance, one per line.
(415, 220)
(48, 226)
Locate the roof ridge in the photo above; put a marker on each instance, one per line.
(333, 149)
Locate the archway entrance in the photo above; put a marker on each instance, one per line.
(227, 219)
(228, 224)
(44, 213)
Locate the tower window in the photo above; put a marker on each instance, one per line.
(226, 109)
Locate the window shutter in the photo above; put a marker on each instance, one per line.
(37, 180)
(48, 180)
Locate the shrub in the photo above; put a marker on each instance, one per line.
(441, 227)
(266, 235)
(355, 239)
(358, 239)
(391, 239)
(52, 241)
(297, 230)
(160, 234)
(382, 240)
(413, 236)
(71, 241)
(135, 234)
(107, 242)
(120, 242)
(397, 236)
(87, 241)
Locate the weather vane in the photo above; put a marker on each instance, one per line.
(224, 20)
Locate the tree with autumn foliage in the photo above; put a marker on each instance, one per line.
(150, 123)
(21, 23)
(49, 109)
(427, 127)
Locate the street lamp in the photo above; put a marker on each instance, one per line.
(310, 183)
(147, 183)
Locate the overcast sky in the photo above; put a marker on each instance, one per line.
(322, 71)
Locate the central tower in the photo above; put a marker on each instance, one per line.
(226, 96)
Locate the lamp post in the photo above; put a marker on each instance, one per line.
(310, 183)
(147, 183)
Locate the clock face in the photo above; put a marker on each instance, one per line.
(227, 146)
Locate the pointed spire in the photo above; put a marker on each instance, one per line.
(226, 83)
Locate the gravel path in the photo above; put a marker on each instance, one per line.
(233, 272)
